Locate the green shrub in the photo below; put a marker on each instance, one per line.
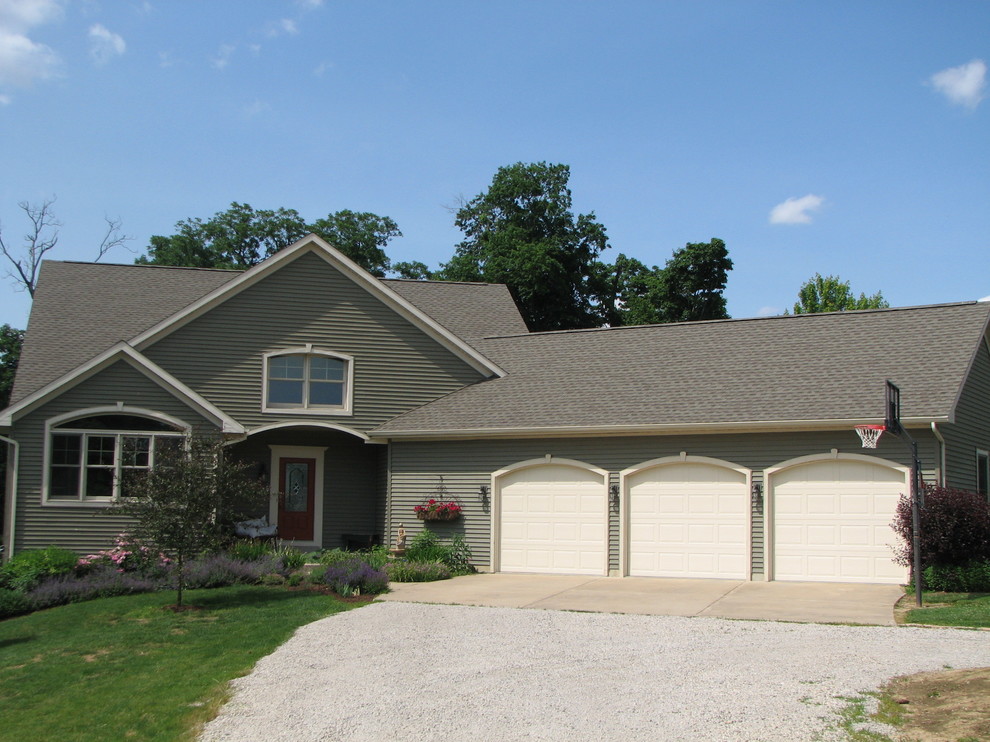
(971, 578)
(249, 550)
(335, 556)
(377, 556)
(295, 579)
(427, 547)
(402, 571)
(28, 568)
(13, 603)
(292, 559)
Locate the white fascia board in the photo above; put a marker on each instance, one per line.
(318, 246)
(124, 352)
(642, 430)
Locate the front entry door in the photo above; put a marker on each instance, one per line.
(296, 498)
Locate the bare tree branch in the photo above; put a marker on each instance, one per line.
(42, 238)
(112, 238)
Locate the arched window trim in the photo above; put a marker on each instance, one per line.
(112, 444)
(308, 351)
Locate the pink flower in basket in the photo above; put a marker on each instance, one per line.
(434, 510)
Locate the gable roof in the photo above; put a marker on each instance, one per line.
(124, 352)
(773, 373)
(81, 309)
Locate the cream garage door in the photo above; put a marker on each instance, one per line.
(688, 519)
(831, 521)
(554, 519)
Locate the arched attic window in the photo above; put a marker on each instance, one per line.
(304, 380)
(89, 455)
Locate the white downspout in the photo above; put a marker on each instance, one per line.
(13, 451)
(941, 448)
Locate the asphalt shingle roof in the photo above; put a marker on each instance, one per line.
(775, 369)
(82, 309)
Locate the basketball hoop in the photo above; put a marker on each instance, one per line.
(870, 434)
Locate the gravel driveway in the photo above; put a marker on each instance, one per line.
(402, 671)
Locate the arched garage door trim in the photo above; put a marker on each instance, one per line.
(498, 478)
(683, 458)
(768, 479)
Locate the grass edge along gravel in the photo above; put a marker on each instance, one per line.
(127, 667)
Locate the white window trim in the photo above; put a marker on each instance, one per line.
(51, 426)
(308, 350)
(984, 453)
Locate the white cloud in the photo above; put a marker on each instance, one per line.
(309, 4)
(20, 15)
(256, 108)
(985, 298)
(4, 100)
(165, 59)
(768, 311)
(321, 69)
(104, 44)
(222, 59)
(963, 85)
(22, 61)
(796, 210)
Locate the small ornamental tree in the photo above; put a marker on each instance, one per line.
(189, 497)
(955, 528)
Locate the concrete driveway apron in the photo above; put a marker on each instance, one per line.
(817, 602)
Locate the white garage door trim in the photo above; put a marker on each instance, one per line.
(683, 458)
(499, 476)
(769, 510)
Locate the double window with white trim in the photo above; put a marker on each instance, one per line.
(89, 458)
(308, 380)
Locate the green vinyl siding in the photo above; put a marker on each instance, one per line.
(81, 528)
(467, 465)
(971, 428)
(396, 365)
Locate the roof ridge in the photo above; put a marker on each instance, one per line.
(430, 280)
(694, 323)
(146, 265)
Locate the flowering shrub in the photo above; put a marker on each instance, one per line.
(426, 547)
(355, 577)
(127, 555)
(438, 510)
(220, 570)
(102, 582)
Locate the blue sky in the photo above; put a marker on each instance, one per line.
(844, 138)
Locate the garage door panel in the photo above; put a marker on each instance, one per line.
(553, 520)
(688, 519)
(831, 521)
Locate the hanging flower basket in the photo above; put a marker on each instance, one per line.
(438, 510)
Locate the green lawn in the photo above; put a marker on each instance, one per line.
(125, 668)
(953, 609)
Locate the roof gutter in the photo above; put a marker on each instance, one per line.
(756, 426)
(10, 487)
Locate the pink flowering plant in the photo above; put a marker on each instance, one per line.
(127, 555)
(438, 510)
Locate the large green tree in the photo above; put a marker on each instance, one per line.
(10, 353)
(242, 236)
(832, 294)
(521, 232)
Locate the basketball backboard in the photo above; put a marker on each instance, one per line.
(892, 410)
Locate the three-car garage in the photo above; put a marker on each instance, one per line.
(825, 518)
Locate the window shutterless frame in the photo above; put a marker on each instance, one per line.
(983, 472)
(86, 452)
(307, 381)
